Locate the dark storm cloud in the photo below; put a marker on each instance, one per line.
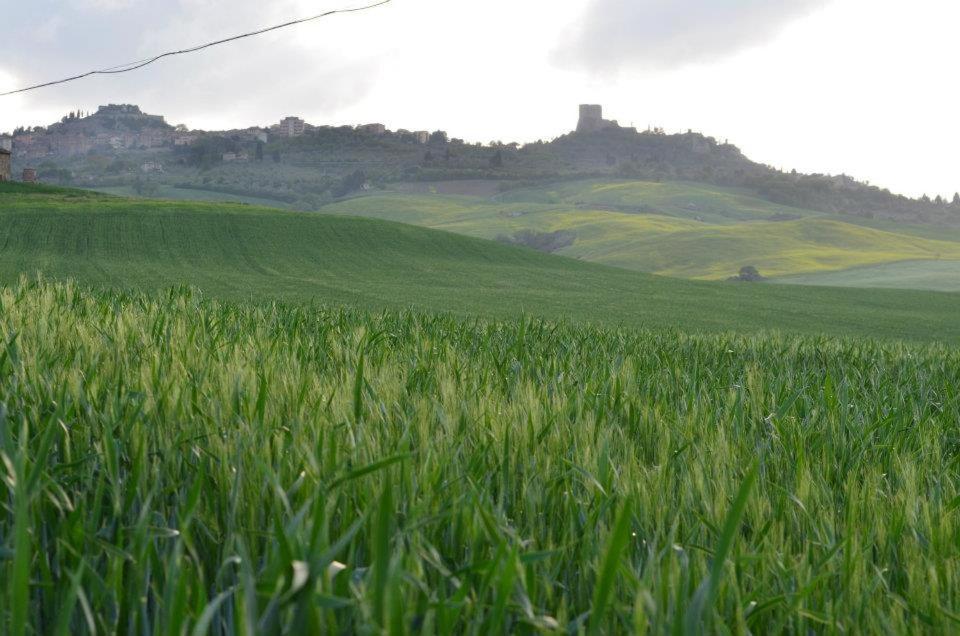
(668, 33)
(49, 39)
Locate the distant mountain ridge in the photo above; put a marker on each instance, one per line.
(308, 166)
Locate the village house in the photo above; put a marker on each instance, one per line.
(235, 156)
(292, 127)
(254, 133)
(4, 164)
(6, 157)
(373, 129)
(152, 139)
(151, 166)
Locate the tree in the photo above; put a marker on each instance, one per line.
(956, 200)
(350, 183)
(145, 188)
(748, 274)
(496, 161)
(259, 152)
(439, 137)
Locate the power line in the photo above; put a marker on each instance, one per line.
(133, 66)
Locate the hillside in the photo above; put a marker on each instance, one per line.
(935, 275)
(119, 146)
(680, 229)
(242, 252)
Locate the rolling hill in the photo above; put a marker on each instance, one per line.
(674, 229)
(936, 275)
(239, 252)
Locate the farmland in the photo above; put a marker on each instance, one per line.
(245, 253)
(940, 275)
(219, 418)
(685, 230)
(176, 464)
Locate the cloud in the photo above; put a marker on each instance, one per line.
(255, 80)
(616, 34)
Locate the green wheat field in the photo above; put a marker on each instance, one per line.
(221, 419)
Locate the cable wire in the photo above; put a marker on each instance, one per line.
(133, 66)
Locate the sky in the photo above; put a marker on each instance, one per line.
(866, 88)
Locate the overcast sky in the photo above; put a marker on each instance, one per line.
(861, 87)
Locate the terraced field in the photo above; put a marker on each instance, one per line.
(682, 230)
(240, 252)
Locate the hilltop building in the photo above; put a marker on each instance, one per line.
(373, 129)
(422, 136)
(591, 119)
(292, 127)
(4, 164)
(129, 112)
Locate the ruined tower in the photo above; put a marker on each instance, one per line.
(591, 118)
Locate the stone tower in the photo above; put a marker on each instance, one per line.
(591, 118)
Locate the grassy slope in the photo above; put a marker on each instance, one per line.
(190, 194)
(684, 230)
(940, 275)
(240, 252)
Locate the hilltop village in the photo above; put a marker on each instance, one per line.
(126, 127)
(302, 165)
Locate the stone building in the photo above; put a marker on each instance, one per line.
(373, 129)
(591, 119)
(4, 164)
(292, 127)
(422, 136)
(128, 112)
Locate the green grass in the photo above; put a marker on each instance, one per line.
(674, 229)
(191, 194)
(247, 253)
(176, 465)
(704, 203)
(939, 275)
